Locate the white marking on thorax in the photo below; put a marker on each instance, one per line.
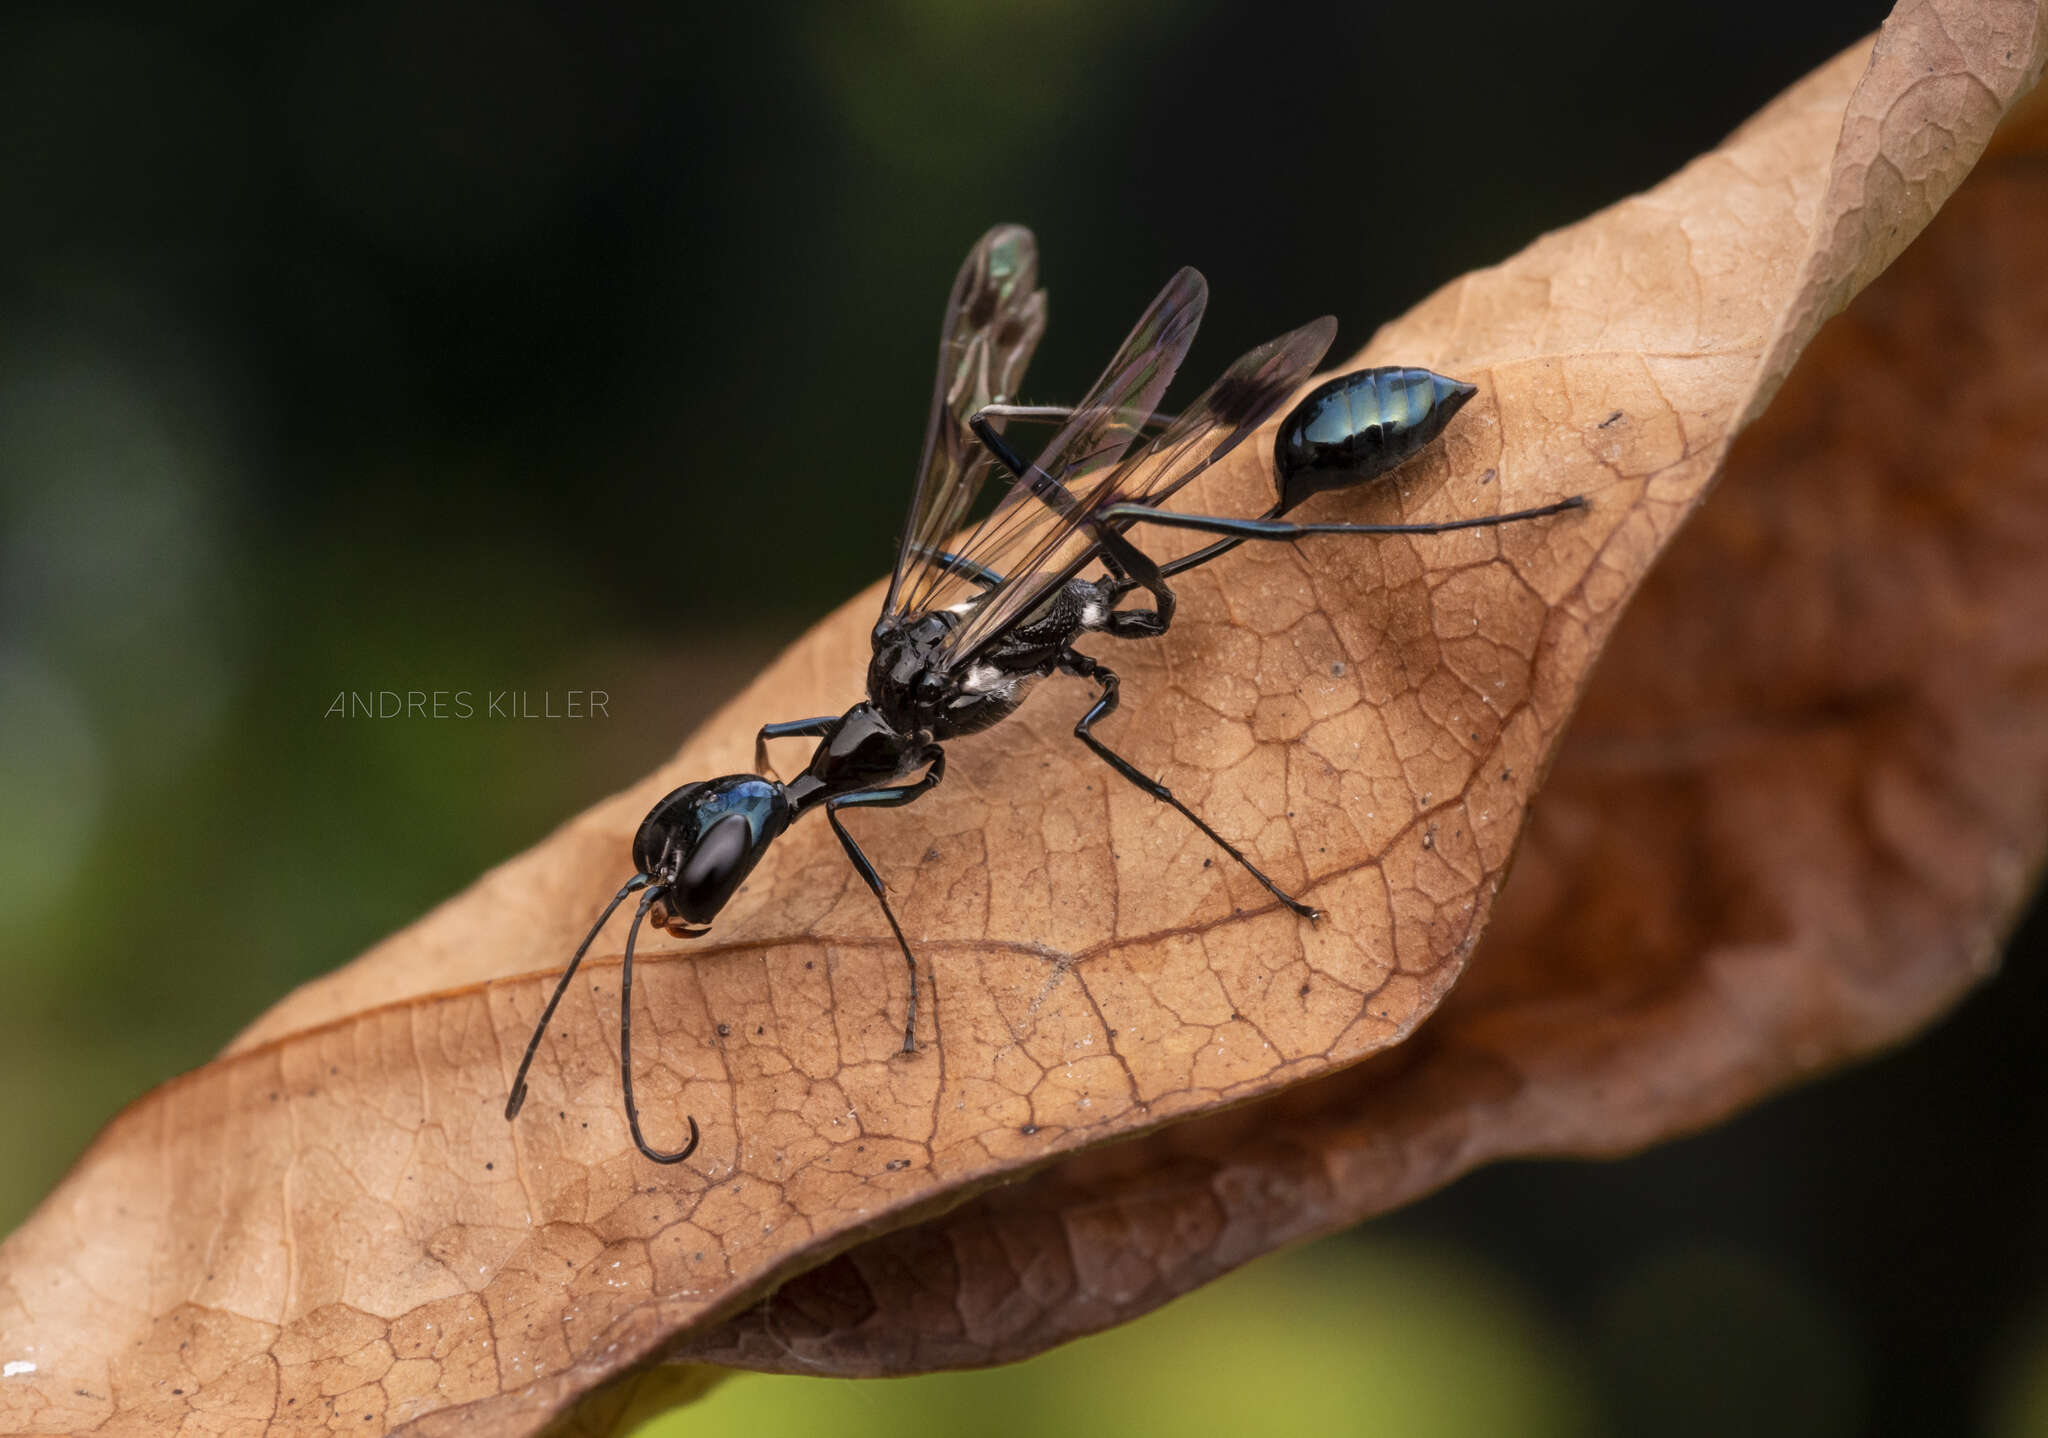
(985, 679)
(1094, 613)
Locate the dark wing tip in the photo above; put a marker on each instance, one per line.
(1253, 387)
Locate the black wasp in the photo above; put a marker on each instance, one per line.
(965, 632)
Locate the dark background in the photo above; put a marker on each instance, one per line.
(521, 347)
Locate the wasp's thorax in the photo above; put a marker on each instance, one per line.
(905, 681)
(861, 750)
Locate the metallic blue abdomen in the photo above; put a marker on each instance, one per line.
(1361, 425)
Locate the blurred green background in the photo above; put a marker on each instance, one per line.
(530, 347)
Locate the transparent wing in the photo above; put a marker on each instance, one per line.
(1041, 507)
(994, 318)
(1227, 414)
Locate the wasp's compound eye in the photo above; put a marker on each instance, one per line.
(724, 855)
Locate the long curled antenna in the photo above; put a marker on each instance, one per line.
(517, 1098)
(626, 1043)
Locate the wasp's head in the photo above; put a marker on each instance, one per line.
(698, 845)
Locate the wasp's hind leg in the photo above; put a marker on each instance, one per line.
(1105, 705)
(1129, 567)
(1140, 571)
(888, 799)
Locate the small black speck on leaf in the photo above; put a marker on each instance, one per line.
(897, 1165)
(1028, 1129)
(1304, 990)
(725, 1031)
(489, 1166)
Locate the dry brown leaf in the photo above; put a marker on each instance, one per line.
(1802, 796)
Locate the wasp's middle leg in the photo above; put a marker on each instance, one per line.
(1105, 705)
